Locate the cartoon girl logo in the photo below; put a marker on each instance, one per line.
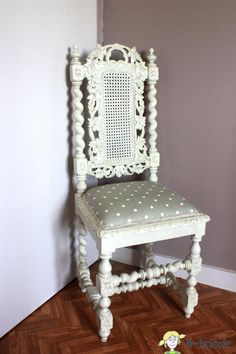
(170, 340)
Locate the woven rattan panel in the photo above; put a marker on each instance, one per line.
(118, 113)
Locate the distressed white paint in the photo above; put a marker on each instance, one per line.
(35, 245)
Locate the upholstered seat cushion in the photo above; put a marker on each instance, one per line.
(128, 203)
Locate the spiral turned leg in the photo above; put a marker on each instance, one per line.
(152, 79)
(105, 288)
(83, 269)
(190, 295)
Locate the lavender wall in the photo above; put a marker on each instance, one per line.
(196, 46)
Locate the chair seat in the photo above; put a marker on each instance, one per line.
(139, 202)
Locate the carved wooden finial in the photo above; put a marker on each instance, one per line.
(151, 56)
(74, 52)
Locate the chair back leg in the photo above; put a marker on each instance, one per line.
(83, 272)
(190, 295)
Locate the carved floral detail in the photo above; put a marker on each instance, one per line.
(196, 265)
(117, 170)
(106, 286)
(80, 166)
(106, 322)
(154, 159)
(153, 73)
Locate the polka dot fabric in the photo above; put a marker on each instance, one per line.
(130, 203)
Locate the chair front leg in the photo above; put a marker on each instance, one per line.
(190, 295)
(105, 288)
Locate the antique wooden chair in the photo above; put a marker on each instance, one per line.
(126, 213)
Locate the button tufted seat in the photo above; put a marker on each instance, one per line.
(114, 205)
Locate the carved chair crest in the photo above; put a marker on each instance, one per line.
(116, 122)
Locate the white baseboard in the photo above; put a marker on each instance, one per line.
(213, 276)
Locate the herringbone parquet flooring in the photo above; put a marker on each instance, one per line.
(66, 323)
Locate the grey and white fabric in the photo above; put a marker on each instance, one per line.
(114, 205)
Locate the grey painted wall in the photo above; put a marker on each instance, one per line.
(99, 21)
(196, 46)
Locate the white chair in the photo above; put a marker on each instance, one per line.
(126, 213)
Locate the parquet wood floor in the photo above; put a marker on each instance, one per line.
(66, 323)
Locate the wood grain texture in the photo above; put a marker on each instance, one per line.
(66, 323)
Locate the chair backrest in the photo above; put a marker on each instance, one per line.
(116, 124)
